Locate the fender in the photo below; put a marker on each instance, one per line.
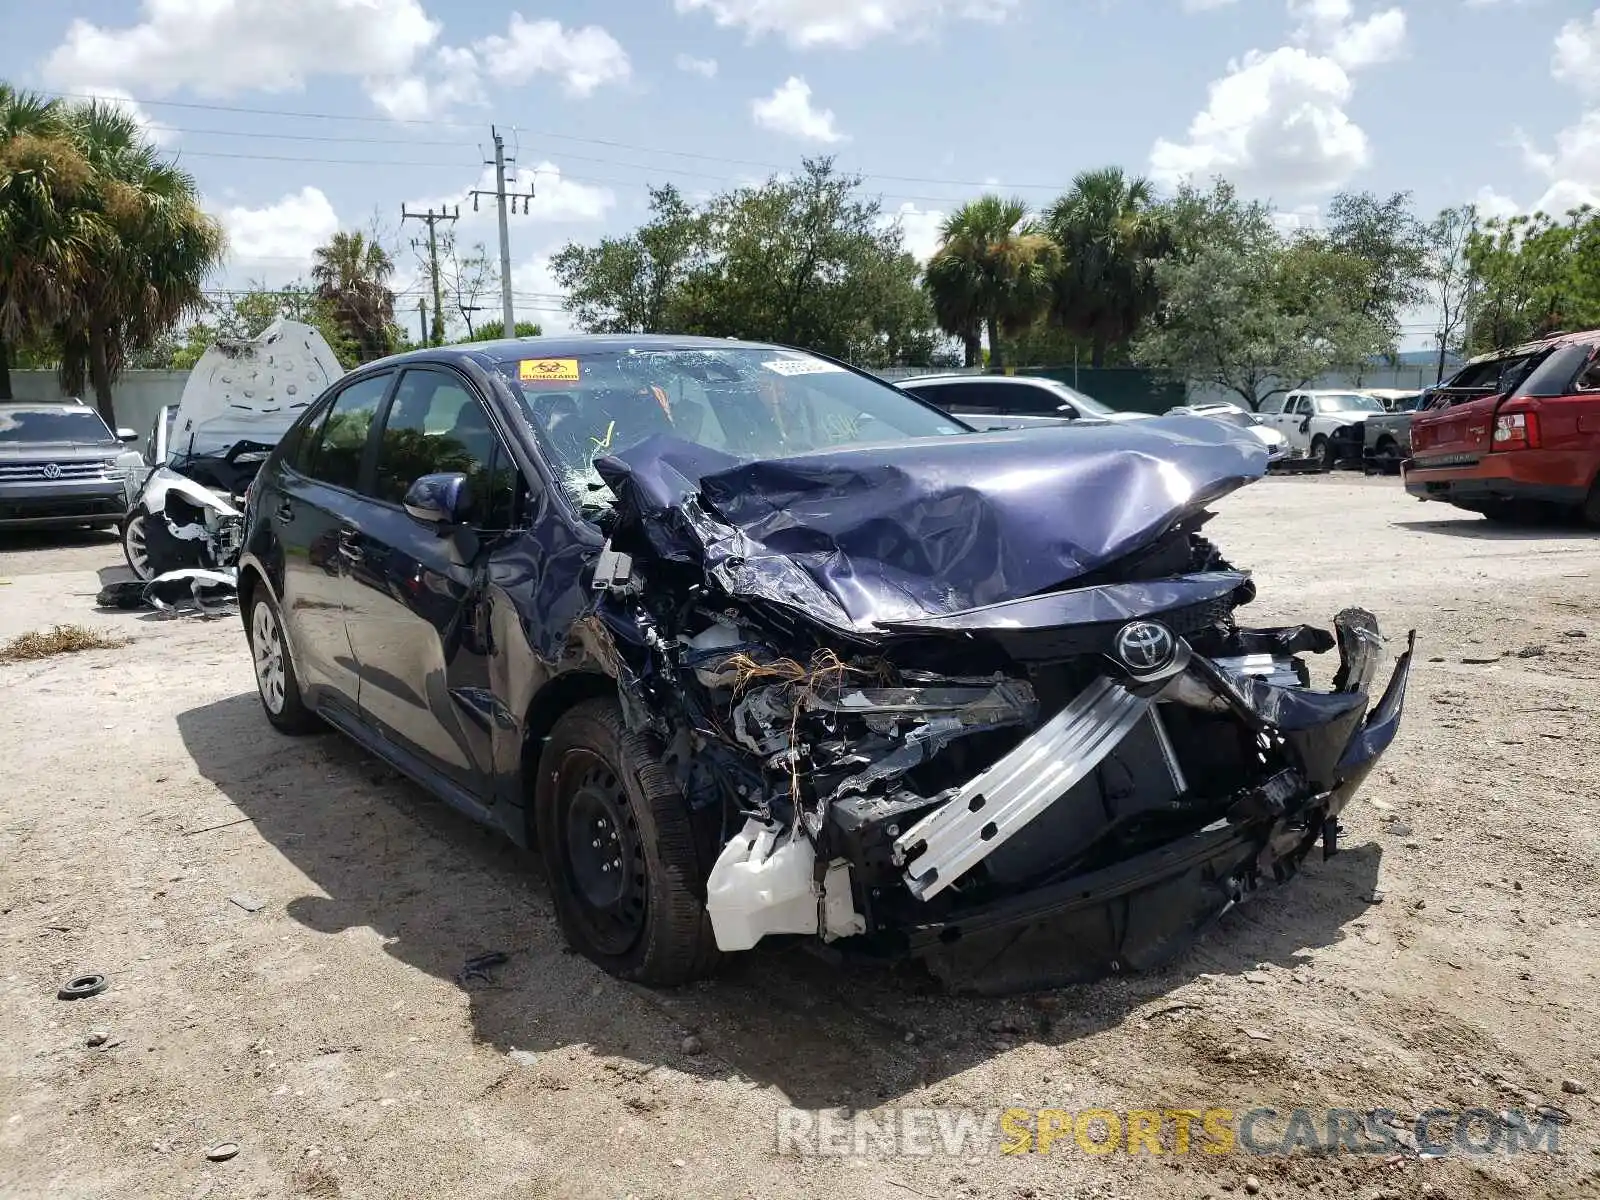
(153, 496)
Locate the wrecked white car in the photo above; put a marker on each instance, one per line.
(186, 514)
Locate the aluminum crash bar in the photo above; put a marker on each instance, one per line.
(997, 804)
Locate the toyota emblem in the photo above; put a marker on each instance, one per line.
(52, 471)
(1145, 646)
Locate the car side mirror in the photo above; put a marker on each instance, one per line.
(124, 434)
(1067, 410)
(441, 499)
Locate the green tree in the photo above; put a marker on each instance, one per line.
(151, 249)
(1386, 247)
(1449, 276)
(1533, 275)
(1110, 233)
(992, 253)
(1246, 309)
(496, 331)
(803, 261)
(45, 219)
(952, 292)
(352, 274)
(630, 284)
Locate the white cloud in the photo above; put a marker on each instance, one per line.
(788, 111)
(1576, 59)
(1206, 5)
(223, 47)
(919, 228)
(1327, 26)
(287, 231)
(1491, 204)
(846, 23)
(706, 68)
(452, 80)
(1275, 121)
(584, 59)
(1572, 167)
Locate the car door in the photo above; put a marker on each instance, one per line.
(313, 503)
(417, 610)
(1295, 422)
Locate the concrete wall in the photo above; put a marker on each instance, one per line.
(137, 396)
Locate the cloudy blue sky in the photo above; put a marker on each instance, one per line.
(301, 116)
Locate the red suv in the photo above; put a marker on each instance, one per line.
(1514, 432)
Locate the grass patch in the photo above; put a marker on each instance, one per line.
(59, 639)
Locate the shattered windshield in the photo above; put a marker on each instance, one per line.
(749, 402)
(1348, 402)
(82, 426)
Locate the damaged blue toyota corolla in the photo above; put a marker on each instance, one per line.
(751, 645)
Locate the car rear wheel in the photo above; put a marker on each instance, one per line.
(618, 848)
(276, 683)
(1591, 506)
(136, 544)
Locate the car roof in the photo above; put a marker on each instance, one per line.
(1579, 338)
(956, 378)
(506, 350)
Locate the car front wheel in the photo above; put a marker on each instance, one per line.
(618, 848)
(275, 678)
(135, 543)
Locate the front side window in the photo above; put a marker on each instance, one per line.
(750, 403)
(342, 441)
(437, 425)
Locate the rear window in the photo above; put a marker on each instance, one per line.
(69, 423)
(748, 402)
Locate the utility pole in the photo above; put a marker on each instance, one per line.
(432, 219)
(501, 195)
(422, 317)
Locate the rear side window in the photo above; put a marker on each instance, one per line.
(342, 442)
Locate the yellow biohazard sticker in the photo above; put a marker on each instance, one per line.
(548, 370)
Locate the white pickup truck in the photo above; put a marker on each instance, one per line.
(1308, 419)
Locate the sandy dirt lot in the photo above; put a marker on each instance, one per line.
(1447, 958)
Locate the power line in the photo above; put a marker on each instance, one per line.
(565, 137)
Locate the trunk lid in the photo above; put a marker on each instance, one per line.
(1456, 431)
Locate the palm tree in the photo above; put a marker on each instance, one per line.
(950, 285)
(44, 225)
(992, 266)
(1111, 233)
(146, 252)
(352, 274)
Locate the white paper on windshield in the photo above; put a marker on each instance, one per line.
(800, 366)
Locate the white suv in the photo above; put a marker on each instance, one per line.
(1308, 419)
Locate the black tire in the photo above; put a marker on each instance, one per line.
(1590, 512)
(1388, 456)
(602, 791)
(1319, 453)
(135, 546)
(275, 671)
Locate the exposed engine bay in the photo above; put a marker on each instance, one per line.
(948, 702)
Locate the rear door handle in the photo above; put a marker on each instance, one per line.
(350, 546)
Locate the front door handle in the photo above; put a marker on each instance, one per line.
(350, 546)
(285, 512)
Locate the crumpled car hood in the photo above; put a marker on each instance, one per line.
(896, 531)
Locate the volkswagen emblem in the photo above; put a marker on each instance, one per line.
(52, 471)
(1145, 646)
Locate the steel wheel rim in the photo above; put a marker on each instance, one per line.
(603, 854)
(138, 547)
(266, 645)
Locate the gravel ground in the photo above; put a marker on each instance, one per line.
(1447, 958)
